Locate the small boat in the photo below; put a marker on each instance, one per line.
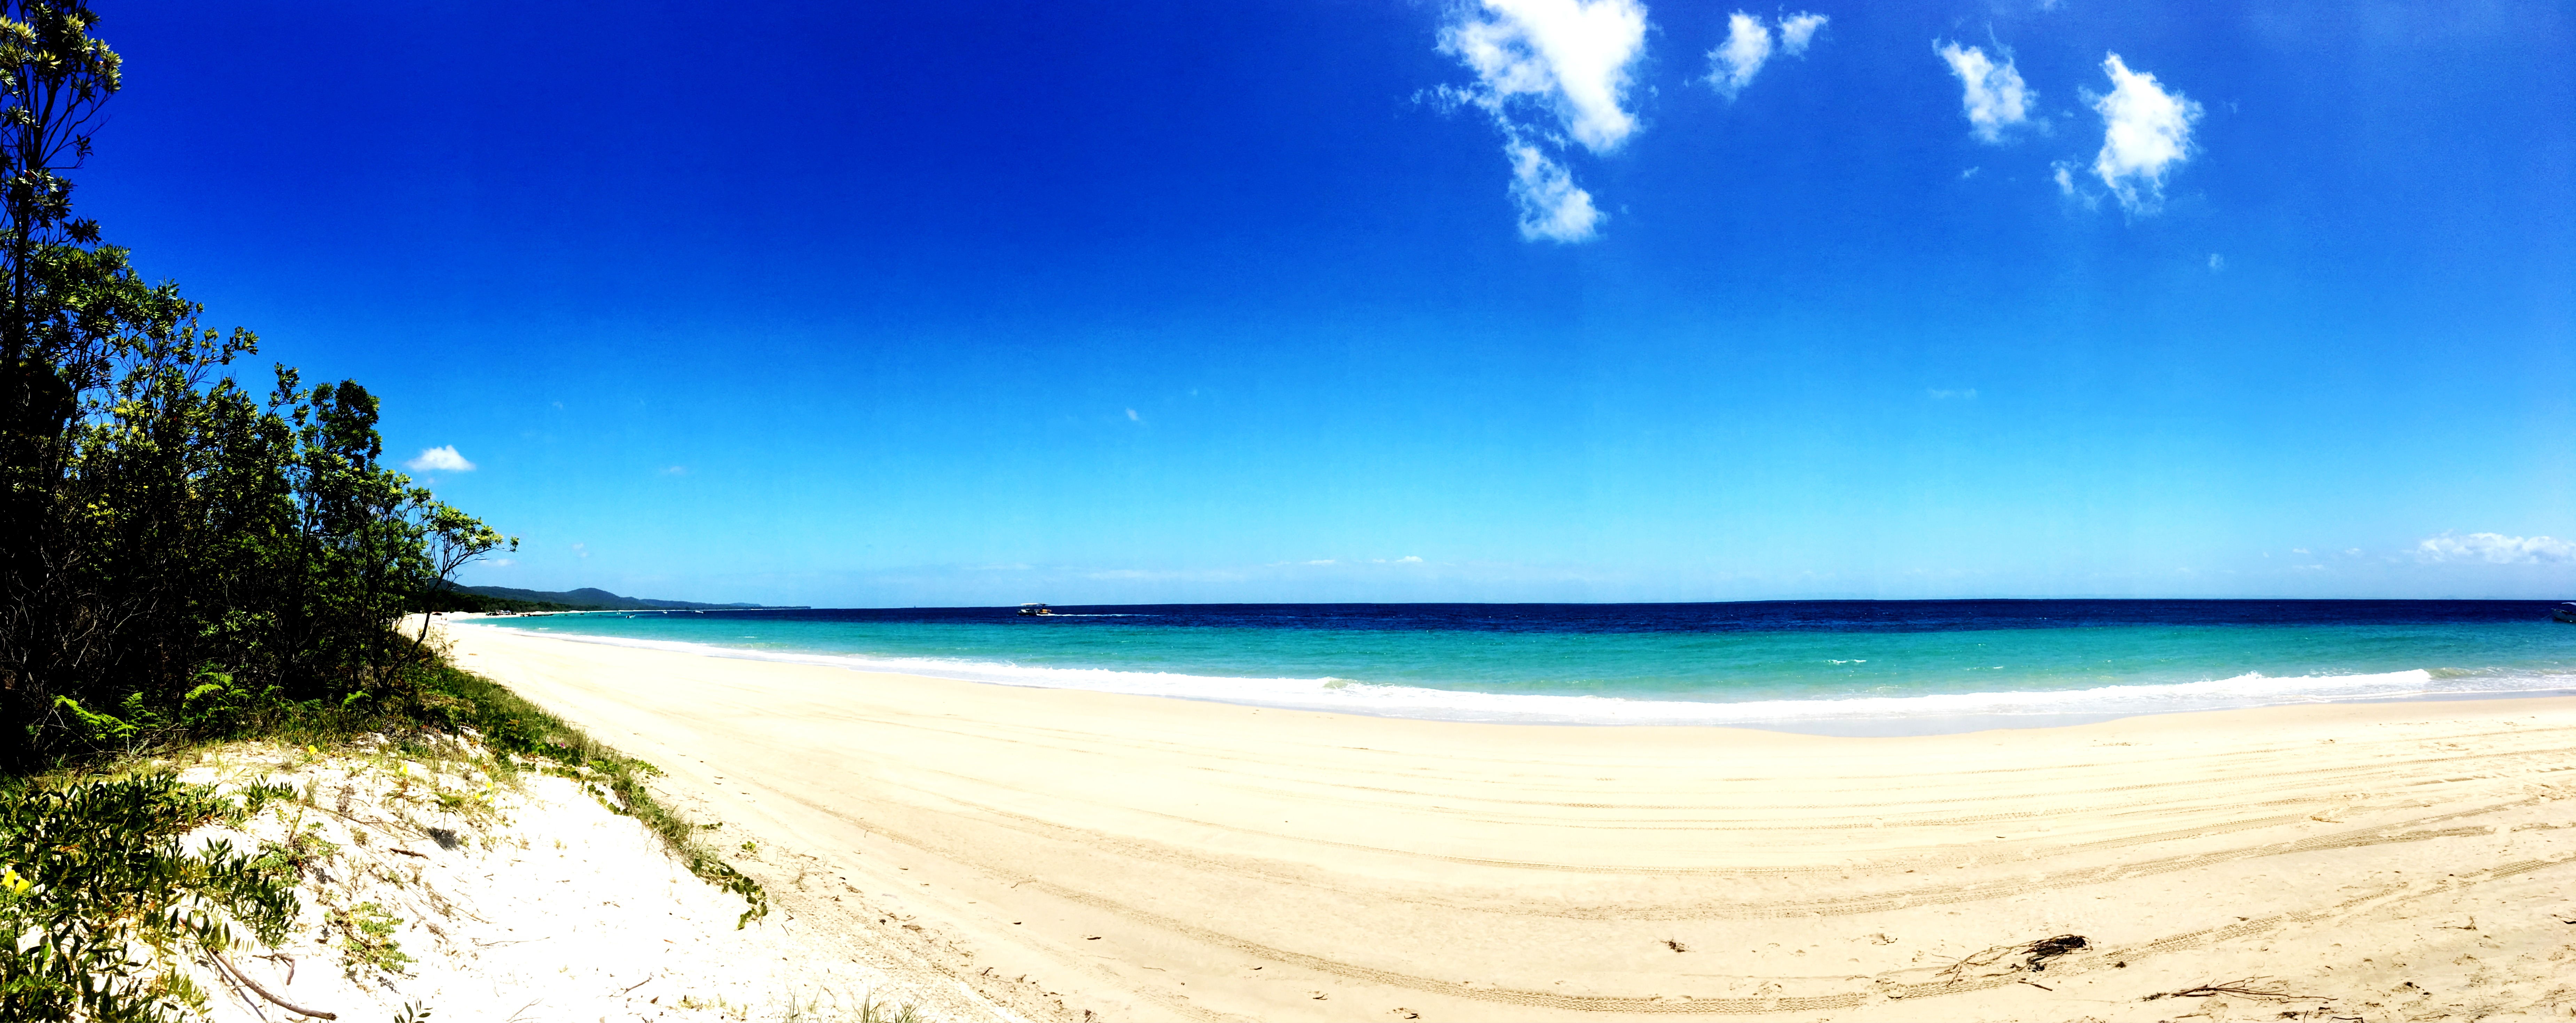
(1036, 610)
(2566, 612)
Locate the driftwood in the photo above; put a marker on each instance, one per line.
(263, 992)
(2261, 988)
(2034, 956)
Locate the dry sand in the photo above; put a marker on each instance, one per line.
(517, 897)
(1144, 858)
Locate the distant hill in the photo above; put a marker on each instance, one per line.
(588, 598)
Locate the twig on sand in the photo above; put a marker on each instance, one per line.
(263, 992)
(281, 957)
(630, 988)
(2245, 987)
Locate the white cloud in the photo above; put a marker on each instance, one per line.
(1133, 417)
(1409, 559)
(2496, 549)
(1551, 207)
(501, 562)
(1572, 55)
(1797, 29)
(2298, 550)
(1547, 69)
(439, 459)
(1994, 97)
(2063, 173)
(2217, 262)
(2146, 131)
(1942, 394)
(676, 470)
(1732, 65)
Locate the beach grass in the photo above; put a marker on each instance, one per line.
(509, 723)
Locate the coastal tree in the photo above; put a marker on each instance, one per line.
(174, 547)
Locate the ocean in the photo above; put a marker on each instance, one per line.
(1848, 667)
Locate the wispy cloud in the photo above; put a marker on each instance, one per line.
(1547, 70)
(2496, 549)
(1748, 46)
(1733, 64)
(1993, 94)
(1944, 394)
(2146, 132)
(1166, 575)
(1797, 30)
(439, 459)
(1550, 205)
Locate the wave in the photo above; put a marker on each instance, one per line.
(1347, 696)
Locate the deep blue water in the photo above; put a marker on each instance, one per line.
(1743, 663)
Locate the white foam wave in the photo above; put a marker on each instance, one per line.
(1351, 697)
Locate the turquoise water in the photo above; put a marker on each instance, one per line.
(1680, 663)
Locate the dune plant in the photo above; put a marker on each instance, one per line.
(509, 723)
(367, 940)
(99, 898)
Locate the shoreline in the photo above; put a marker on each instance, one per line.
(1158, 858)
(1850, 716)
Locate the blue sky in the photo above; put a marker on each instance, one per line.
(880, 304)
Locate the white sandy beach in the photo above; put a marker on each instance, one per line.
(1143, 858)
(527, 900)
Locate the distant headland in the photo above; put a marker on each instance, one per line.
(588, 598)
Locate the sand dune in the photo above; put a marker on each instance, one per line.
(1144, 858)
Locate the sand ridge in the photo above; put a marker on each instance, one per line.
(1152, 858)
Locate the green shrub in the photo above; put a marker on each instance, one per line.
(99, 869)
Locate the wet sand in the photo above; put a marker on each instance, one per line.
(1144, 858)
